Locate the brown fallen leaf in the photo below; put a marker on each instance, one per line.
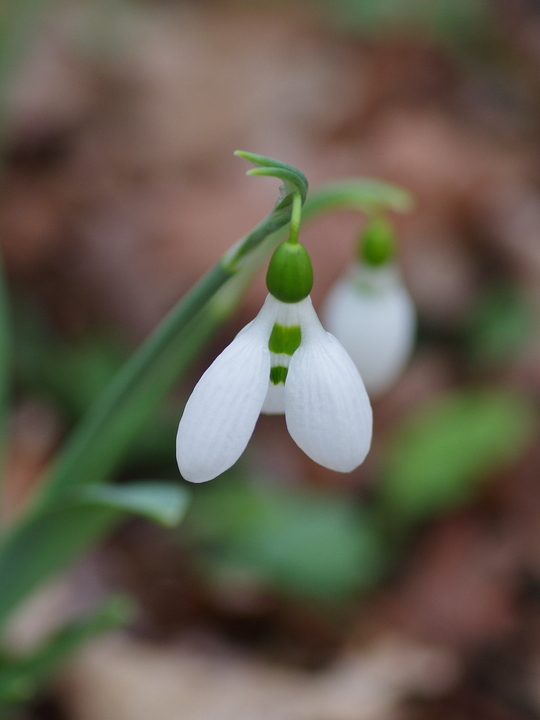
(120, 678)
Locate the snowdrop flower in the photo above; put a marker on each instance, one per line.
(282, 362)
(372, 315)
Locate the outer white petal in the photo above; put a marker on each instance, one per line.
(327, 409)
(372, 315)
(222, 410)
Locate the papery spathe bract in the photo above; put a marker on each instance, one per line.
(372, 315)
(283, 361)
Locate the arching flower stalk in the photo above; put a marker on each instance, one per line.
(282, 362)
(371, 313)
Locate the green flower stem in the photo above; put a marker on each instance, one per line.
(233, 260)
(296, 217)
(361, 194)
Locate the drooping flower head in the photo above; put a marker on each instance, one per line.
(370, 311)
(282, 362)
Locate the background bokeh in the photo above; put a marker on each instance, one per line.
(407, 589)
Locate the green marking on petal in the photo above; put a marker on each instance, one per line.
(278, 374)
(285, 339)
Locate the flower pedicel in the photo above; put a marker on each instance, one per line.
(282, 362)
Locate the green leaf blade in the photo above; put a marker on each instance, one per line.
(438, 458)
(164, 503)
(306, 544)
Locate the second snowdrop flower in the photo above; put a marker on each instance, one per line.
(371, 313)
(282, 362)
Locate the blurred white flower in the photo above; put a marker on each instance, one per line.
(283, 361)
(372, 315)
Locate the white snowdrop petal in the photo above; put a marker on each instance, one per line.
(222, 410)
(375, 324)
(327, 409)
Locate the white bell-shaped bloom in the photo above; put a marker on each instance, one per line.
(283, 361)
(372, 315)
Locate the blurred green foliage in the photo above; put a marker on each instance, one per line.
(71, 373)
(52, 536)
(498, 327)
(67, 372)
(322, 547)
(21, 676)
(441, 453)
(464, 24)
(305, 543)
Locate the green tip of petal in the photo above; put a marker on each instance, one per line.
(290, 273)
(376, 245)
